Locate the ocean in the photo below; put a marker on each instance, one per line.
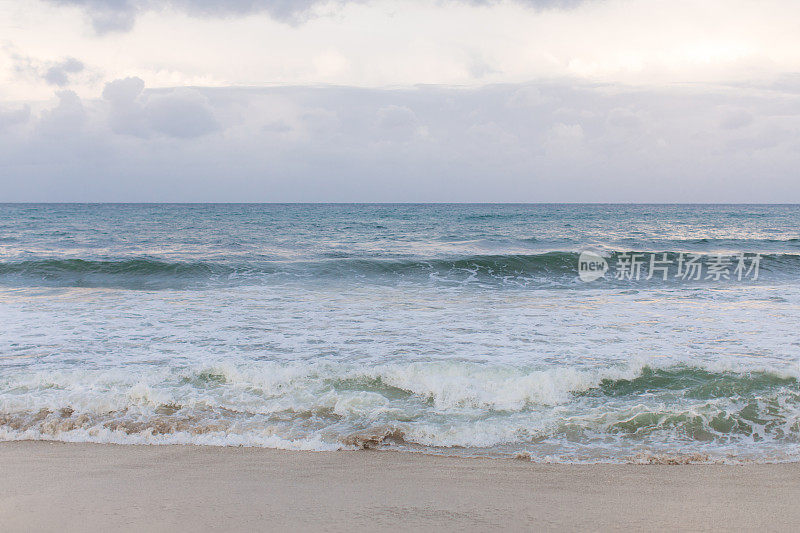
(474, 330)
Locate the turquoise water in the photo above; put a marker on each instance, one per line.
(460, 329)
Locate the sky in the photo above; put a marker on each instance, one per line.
(400, 101)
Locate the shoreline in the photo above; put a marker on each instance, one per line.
(51, 486)
(359, 443)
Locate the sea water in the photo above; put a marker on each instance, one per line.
(458, 329)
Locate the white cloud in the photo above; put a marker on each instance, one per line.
(381, 43)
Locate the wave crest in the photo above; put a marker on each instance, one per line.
(424, 406)
(543, 269)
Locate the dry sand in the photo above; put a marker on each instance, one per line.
(85, 487)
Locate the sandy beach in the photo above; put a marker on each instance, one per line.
(86, 487)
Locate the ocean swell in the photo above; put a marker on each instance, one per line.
(548, 269)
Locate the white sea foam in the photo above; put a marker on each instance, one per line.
(317, 406)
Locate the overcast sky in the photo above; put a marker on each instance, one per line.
(438, 100)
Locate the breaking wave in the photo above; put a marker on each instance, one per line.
(439, 407)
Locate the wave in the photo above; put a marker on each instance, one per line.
(547, 268)
(137, 273)
(57, 267)
(614, 412)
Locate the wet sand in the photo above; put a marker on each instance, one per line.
(87, 487)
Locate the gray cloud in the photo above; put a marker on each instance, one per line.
(534, 142)
(287, 10)
(107, 15)
(396, 123)
(622, 117)
(536, 4)
(123, 92)
(120, 15)
(735, 119)
(182, 113)
(59, 73)
(14, 117)
(126, 114)
(65, 119)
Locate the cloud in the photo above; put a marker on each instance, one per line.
(126, 114)
(123, 92)
(14, 117)
(588, 143)
(107, 15)
(26, 68)
(120, 15)
(286, 10)
(565, 139)
(65, 119)
(396, 122)
(622, 117)
(536, 4)
(735, 119)
(529, 96)
(181, 113)
(381, 43)
(59, 73)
